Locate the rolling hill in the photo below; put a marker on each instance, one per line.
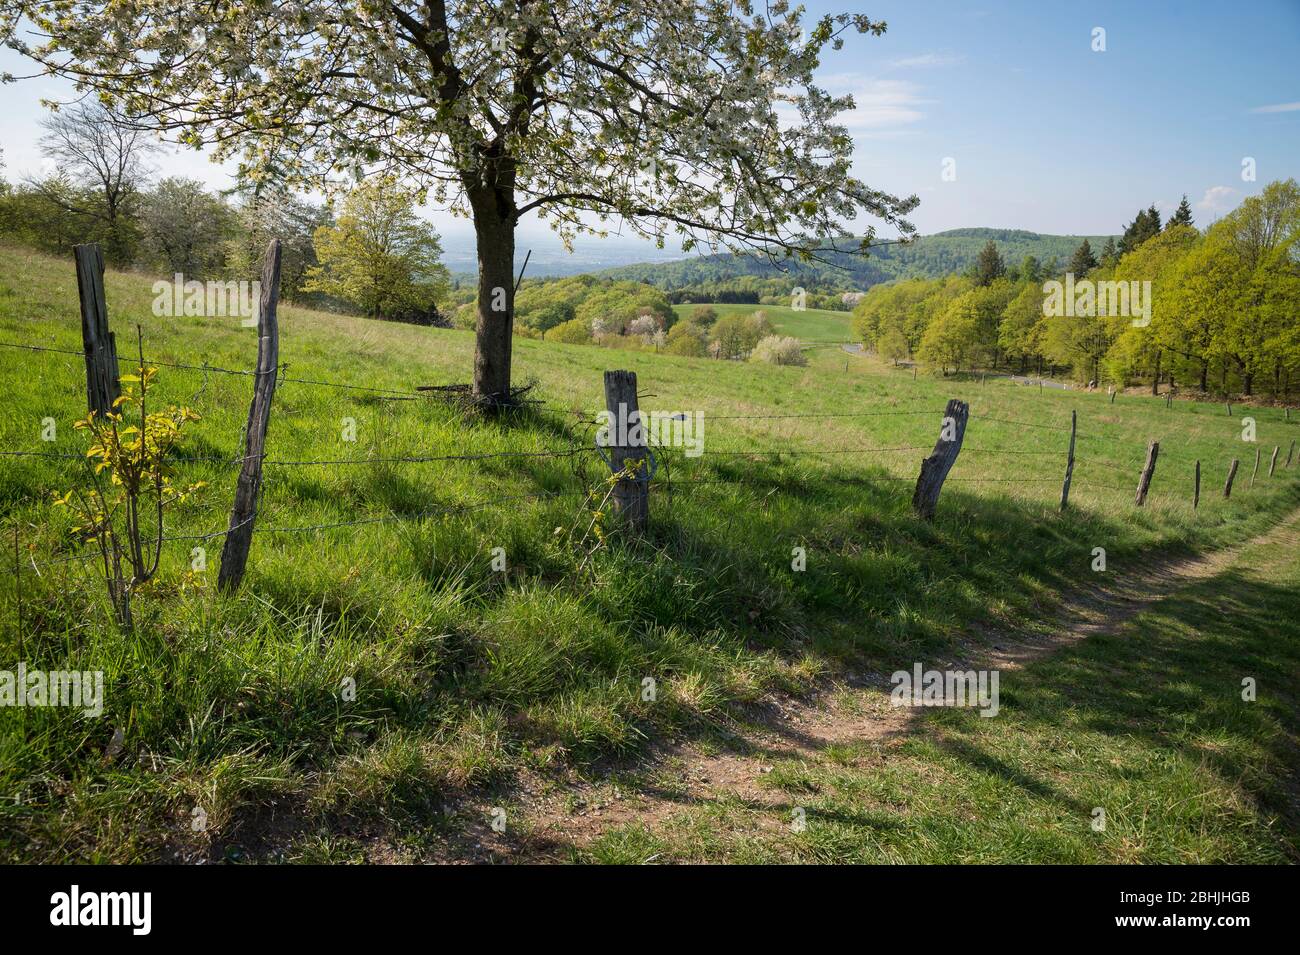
(927, 257)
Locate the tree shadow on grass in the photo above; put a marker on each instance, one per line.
(1169, 683)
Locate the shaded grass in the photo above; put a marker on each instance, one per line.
(1148, 726)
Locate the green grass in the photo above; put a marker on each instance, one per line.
(809, 324)
(467, 677)
(1148, 725)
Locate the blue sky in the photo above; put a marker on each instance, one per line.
(1051, 136)
(1046, 134)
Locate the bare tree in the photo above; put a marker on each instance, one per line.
(94, 146)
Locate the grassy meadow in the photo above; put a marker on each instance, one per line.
(809, 324)
(469, 678)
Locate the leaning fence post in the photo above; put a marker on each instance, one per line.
(239, 536)
(1255, 470)
(1289, 452)
(1273, 462)
(1232, 473)
(935, 468)
(1069, 461)
(102, 384)
(627, 449)
(1196, 488)
(1148, 469)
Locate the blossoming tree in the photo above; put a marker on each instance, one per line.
(692, 120)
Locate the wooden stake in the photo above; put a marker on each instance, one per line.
(1069, 461)
(1232, 473)
(18, 590)
(1272, 461)
(935, 468)
(1148, 469)
(627, 449)
(239, 536)
(1196, 491)
(102, 384)
(1254, 470)
(1289, 452)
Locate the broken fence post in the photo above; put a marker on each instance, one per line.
(1069, 461)
(239, 536)
(935, 468)
(102, 384)
(1232, 473)
(627, 449)
(1148, 469)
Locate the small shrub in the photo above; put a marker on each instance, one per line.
(572, 332)
(779, 350)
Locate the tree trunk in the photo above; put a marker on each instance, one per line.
(1155, 382)
(1205, 376)
(494, 227)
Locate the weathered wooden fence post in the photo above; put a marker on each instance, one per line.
(102, 384)
(1196, 488)
(1272, 461)
(1255, 470)
(935, 468)
(1289, 452)
(239, 536)
(1148, 469)
(1232, 473)
(627, 449)
(1069, 461)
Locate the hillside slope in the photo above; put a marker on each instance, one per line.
(929, 256)
(376, 565)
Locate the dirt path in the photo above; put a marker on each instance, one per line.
(551, 819)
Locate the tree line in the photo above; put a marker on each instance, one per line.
(1211, 310)
(372, 255)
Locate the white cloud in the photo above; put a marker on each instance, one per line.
(924, 60)
(878, 104)
(1217, 199)
(1277, 108)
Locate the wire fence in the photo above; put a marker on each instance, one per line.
(580, 450)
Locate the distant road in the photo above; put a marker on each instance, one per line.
(1046, 383)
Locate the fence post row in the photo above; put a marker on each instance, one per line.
(627, 447)
(1148, 469)
(1069, 461)
(102, 384)
(239, 536)
(935, 468)
(1232, 473)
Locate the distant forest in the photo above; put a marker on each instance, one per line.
(747, 279)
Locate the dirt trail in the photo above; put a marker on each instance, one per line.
(550, 820)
